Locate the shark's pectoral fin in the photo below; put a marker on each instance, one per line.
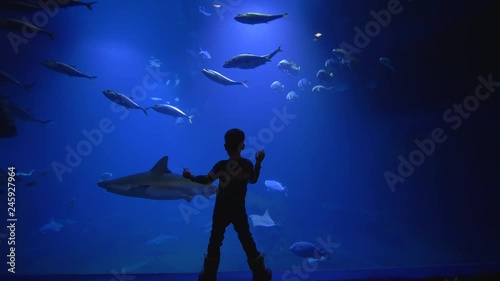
(188, 198)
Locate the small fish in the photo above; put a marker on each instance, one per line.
(25, 174)
(304, 84)
(311, 252)
(7, 78)
(177, 81)
(122, 100)
(256, 18)
(205, 54)
(22, 27)
(171, 110)
(67, 69)
(325, 76)
(203, 11)
(155, 98)
(176, 99)
(288, 67)
(221, 79)
(387, 62)
(277, 87)
(292, 95)
(105, 176)
(154, 62)
(320, 88)
(276, 185)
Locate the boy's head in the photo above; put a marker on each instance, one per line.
(234, 141)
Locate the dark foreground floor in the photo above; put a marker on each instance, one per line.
(441, 273)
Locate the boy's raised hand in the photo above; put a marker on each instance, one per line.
(186, 173)
(259, 156)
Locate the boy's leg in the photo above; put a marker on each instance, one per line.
(220, 220)
(241, 226)
(255, 259)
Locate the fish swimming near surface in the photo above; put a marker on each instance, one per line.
(122, 100)
(264, 220)
(6, 78)
(22, 27)
(67, 69)
(221, 79)
(51, 226)
(24, 115)
(161, 239)
(19, 6)
(249, 61)
(74, 3)
(256, 18)
(171, 110)
(159, 183)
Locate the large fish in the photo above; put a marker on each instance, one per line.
(74, 3)
(256, 18)
(171, 110)
(22, 27)
(249, 61)
(221, 79)
(67, 69)
(24, 115)
(7, 78)
(159, 183)
(122, 100)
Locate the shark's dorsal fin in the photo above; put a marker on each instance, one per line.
(161, 167)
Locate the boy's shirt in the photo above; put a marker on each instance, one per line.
(234, 175)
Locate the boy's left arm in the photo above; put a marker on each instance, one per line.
(254, 176)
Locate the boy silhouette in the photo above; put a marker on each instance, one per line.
(233, 174)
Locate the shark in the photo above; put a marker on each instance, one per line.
(52, 225)
(159, 183)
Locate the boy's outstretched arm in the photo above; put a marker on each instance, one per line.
(209, 178)
(259, 157)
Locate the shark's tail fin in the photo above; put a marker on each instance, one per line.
(244, 83)
(27, 87)
(89, 5)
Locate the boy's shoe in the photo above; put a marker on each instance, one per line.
(210, 267)
(259, 270)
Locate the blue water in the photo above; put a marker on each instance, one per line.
(331, 153)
